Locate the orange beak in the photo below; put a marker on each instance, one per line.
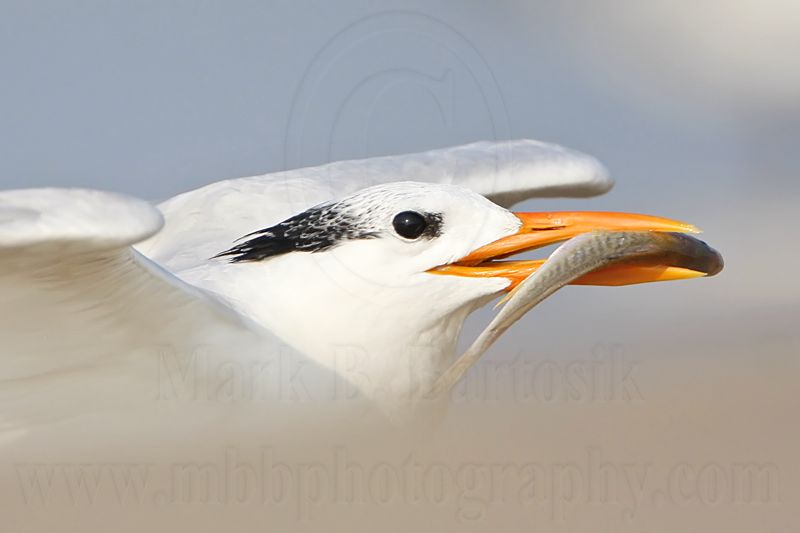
(541, 229)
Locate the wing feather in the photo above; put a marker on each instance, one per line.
(83, 314)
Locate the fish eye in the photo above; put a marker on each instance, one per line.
(409, 224)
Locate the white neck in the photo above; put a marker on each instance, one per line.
(389, 342)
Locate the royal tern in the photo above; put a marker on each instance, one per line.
(366, 269)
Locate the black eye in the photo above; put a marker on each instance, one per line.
(409, 224)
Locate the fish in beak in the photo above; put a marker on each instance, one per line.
(542, 229)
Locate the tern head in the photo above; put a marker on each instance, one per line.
(385, 277)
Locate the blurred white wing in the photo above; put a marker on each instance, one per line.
(205, 221)
(82, 312)
(509, 172)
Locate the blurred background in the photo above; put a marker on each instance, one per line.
(693, 106)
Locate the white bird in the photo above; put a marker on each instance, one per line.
(344, 274)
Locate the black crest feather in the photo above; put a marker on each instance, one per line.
(313, 230)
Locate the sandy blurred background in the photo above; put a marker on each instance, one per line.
(649, 408)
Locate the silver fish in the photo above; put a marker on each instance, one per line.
(577, 257)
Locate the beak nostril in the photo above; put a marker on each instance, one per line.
(546, 228)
